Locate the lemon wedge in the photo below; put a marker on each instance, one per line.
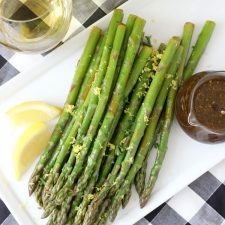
(32, 111)
(28, 146)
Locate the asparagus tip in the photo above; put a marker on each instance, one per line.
(143, 202)
(44, 215)
(30, 191)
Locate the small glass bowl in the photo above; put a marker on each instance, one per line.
(200, 106)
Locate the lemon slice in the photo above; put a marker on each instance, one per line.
(32, 111)
(28, 146)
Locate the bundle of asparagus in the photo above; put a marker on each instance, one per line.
(120, 103)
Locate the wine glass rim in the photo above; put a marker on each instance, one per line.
(20, 21)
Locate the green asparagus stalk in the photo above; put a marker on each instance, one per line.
(111, 132)
(103, 134)
(162, 145)
(185, 42)
(101, 195)
(66, 207)
(92, 71)
(69, 221)
(141, 174)
(146, 109)
(50, 221)
(199, 48)
(71, 100)
(103, 98)
(150, 134)
(129, 25)
(38, 194)
(81, 98)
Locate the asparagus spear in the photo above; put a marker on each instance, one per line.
(148, 142)
(92, 71)
(103, 98)
(129, 25)
(145, 110)
(185, 42)
(114, 105)
(141, 174)
(71, 100)
(199, 48)
(162, 145)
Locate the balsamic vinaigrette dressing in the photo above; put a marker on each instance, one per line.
(200, 107)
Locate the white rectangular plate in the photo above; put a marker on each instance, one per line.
(49, 81)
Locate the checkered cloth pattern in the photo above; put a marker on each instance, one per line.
(201, 203)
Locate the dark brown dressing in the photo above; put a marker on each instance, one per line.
(200, 107)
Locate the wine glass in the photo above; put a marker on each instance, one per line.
(34, 26)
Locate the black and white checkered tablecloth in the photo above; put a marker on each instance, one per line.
(201, 203)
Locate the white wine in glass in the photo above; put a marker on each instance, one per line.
(34, 25)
